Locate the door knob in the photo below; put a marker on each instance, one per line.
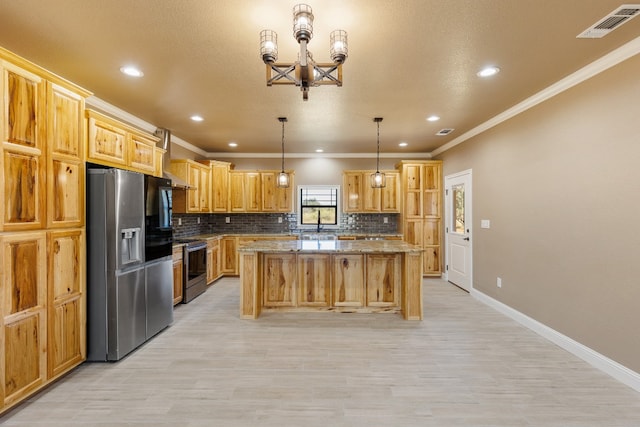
(466, 238)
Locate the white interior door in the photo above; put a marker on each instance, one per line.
(458, 229)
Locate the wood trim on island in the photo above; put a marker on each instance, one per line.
(334, 275)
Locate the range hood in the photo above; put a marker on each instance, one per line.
(165, 144)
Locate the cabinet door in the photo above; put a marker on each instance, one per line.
(215, 261)
(177, 281)
(253, 200)
(348, 281)
(236, 192)
(205, 189)
(390, 197)
(66, 300)
(220, 187)
(22, 162)
(107, 143)
(278, 280)
(352, 190)
(275, 199)
(314, 280)
(370, 197)
(65, 167)
(142, 153)
(23, 335)
(229, 264)
(383, 280)
(431, 261)
(193, 194)
(413, 232)
(413, 188)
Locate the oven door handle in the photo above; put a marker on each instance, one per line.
(196, 247)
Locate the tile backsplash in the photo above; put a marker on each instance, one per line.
(360, 223)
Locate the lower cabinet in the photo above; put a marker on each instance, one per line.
(213, 259)
(178, 278)
(323, 280)
(229, 256)
(66, 325)
(348, 280)
(314, 280)
(279, 279)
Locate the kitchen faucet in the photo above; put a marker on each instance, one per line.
(319, 226)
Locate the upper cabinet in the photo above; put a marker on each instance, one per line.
(219, 185)
(275, 199)
(196, 199)
(358, 196)
(113, 143)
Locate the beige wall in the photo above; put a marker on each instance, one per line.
(561, 186)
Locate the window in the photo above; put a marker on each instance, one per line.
(318, 206)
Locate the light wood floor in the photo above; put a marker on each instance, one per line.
(464, 365)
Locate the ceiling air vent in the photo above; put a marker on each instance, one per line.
(445, 131)
(610, 22)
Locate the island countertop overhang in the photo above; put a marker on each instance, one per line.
(331, 246)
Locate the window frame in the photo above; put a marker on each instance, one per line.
(338, 207)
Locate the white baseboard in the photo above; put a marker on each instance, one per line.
(603, 363)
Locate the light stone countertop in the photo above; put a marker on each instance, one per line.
(331, 246)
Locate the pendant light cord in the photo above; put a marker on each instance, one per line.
(282, 145)
(378, 153)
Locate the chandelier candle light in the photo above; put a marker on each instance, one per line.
(378, 179)
(283, 177)
(305, 72)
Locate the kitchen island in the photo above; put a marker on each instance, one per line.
(360, 276)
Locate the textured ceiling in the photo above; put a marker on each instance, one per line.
(408, 59)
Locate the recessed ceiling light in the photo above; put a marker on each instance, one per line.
(488, 71)
(131, 71)
(403, 144)
(433, 118)
(233, 144)
(319, 150)
(197, 118)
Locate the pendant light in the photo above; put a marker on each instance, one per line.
(283, 177)
(378, 180)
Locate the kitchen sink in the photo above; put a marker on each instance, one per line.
(318, 236)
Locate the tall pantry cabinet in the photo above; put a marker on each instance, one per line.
(422, 210)
(42, 233)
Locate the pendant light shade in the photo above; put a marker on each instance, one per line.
(283, 177)
(378, 179)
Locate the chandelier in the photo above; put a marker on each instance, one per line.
(304, 72)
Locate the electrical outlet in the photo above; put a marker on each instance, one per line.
(279, 220)
(227, 219)
(385, 220)
(198, 220)
(179, 221)
(499, 282)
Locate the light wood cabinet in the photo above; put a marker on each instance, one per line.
(218, 184)
(422, 210)
(276, 199)
(229, 256)
(113, 143)
(22, 164)
(66, 289)
(279, 280)
(42, 277)
(65, 158)
(23, 336)
(245, 191)
(178, 279)
(195, 199)
(213, 259)
(383, 280)
(348, 280)
(314, 280)
(359, 197)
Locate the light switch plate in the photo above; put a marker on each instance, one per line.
(227, 219)
(485, 223)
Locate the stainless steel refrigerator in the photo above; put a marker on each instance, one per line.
(128, 300)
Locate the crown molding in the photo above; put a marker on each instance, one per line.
(214, 155)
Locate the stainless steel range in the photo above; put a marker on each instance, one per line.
(195, 268)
